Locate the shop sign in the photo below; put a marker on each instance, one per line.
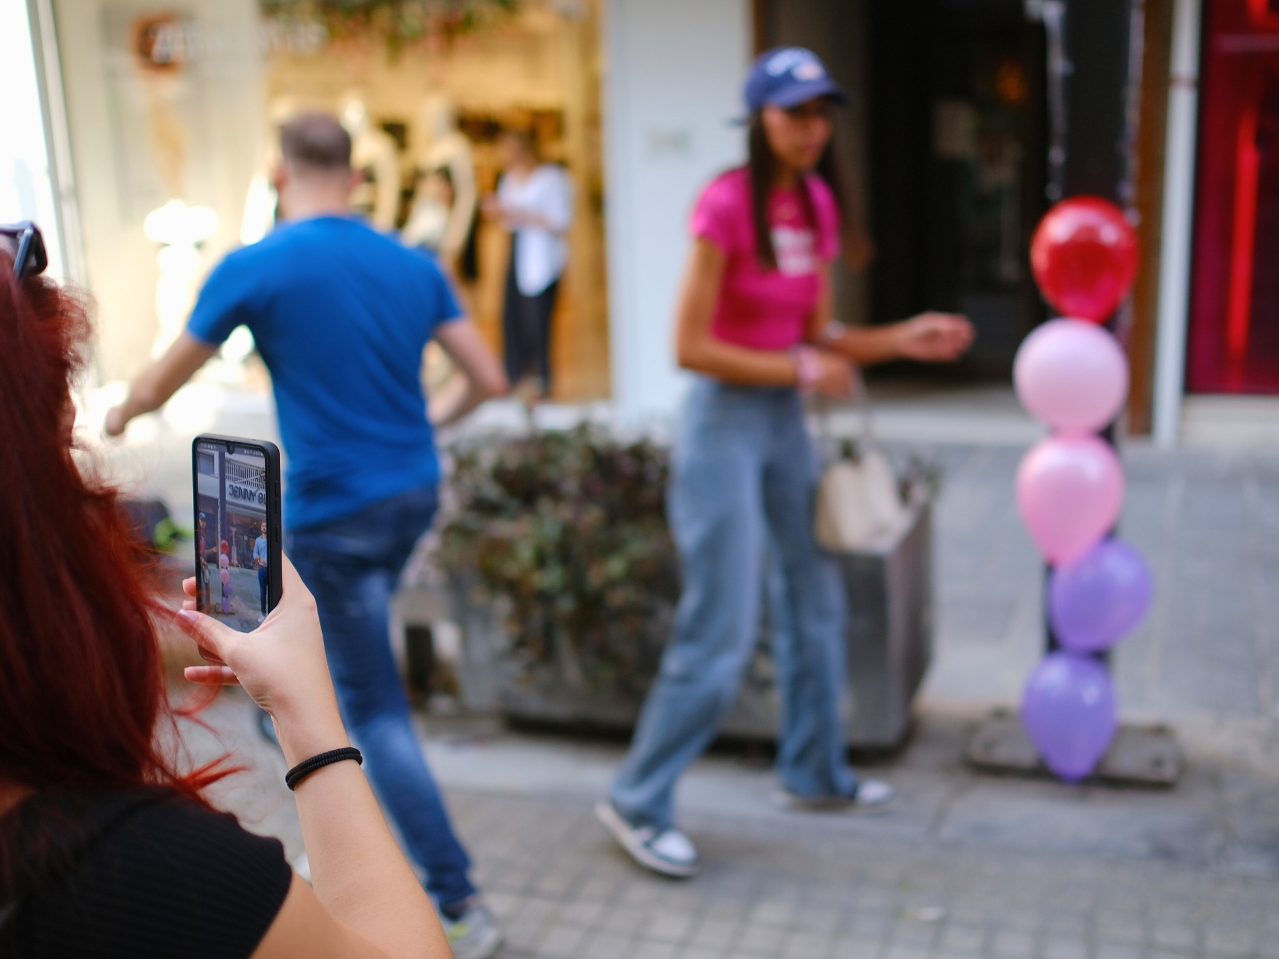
(246, 494)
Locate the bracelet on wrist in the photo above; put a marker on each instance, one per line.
(308, 766)
(808, 368)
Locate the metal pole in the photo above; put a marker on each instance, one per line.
(1090, 74)
(1178, 220)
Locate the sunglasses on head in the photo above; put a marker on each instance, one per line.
(29, 255)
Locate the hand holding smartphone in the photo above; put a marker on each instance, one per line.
(236, 493)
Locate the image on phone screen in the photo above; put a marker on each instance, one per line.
(233, 533)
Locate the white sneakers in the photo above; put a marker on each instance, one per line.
(873, 792)
(473, 935)
(669, 852)
(870, 792)
(666, 851)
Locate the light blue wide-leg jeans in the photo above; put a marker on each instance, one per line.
(744, 476)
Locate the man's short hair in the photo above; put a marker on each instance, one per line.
(316, 140)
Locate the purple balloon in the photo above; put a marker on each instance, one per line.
(1069, 713)
(1101, 597)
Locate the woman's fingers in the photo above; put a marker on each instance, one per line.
(211, 675)
(937, 336)
(188, 586)
(293, 590)
(214, 639)
(288, 573)
(209, 656)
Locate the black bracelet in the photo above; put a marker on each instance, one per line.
(308, 766)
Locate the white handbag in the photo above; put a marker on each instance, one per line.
(859, 505)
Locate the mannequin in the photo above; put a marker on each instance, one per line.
(373, 151)
(261, 202)
(439, 221)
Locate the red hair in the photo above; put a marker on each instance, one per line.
(82, 683)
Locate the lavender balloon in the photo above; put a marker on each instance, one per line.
(1069, 713)
(1097, 600)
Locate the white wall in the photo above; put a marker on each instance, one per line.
(26, 188)
(673, 76)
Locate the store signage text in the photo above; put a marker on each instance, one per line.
(246, 494)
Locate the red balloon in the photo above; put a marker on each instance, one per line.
(225, 546)
(1084, 256)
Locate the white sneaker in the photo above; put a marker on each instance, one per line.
(262, 617)
(666, 851)
(473, 935)
(870, 792)
(873, 792)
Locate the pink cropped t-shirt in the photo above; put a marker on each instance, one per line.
(758, 308)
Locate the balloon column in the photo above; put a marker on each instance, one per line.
(1072, 374)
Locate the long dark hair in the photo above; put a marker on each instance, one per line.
(761, 166)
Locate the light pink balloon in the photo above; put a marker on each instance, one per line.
(1072, 375)
(1069, 491)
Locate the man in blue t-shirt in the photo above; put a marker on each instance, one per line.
(260, 554)
(341, 315)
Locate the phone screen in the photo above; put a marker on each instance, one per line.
(234, 533)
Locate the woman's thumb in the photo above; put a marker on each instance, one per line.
(210, 635)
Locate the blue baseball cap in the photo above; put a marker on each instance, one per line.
(788, 76)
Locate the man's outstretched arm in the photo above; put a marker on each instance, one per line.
(481, 378)
(159, 381)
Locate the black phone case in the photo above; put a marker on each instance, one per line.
(275, 525)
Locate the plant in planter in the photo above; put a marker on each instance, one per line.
(569, 528)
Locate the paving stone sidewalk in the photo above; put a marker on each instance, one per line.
(963, 865)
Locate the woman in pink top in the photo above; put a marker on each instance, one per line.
(755, 322)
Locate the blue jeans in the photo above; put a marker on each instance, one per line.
(352, 566)
(744, 478)
(262, 581)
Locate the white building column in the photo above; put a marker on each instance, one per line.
(1178, 223)
(673, 78)
(31, 119)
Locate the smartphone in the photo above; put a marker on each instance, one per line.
(235, 486)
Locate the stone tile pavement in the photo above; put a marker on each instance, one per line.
(963, 865)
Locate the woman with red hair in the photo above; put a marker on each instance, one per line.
(106, 847)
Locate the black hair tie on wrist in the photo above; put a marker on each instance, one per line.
(308, 766)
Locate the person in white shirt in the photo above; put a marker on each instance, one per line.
(535, 203)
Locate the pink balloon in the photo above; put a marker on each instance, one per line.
(223, 561)
(225, 576)
(1069, 491)
(1072, 375)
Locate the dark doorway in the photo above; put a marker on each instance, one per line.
(950, 111)
(957, 165)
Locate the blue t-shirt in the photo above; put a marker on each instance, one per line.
(340, 314)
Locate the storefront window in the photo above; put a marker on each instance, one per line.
(172, 113)
(1233, 344)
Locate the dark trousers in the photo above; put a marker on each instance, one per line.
(526, 328)
(262, 578)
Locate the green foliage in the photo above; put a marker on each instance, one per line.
(571, 528)
(397, 22)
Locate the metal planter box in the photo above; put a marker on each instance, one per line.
(889, 637)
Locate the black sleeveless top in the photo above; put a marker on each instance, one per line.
(139, 873)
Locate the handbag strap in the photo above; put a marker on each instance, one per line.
(861, 400)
